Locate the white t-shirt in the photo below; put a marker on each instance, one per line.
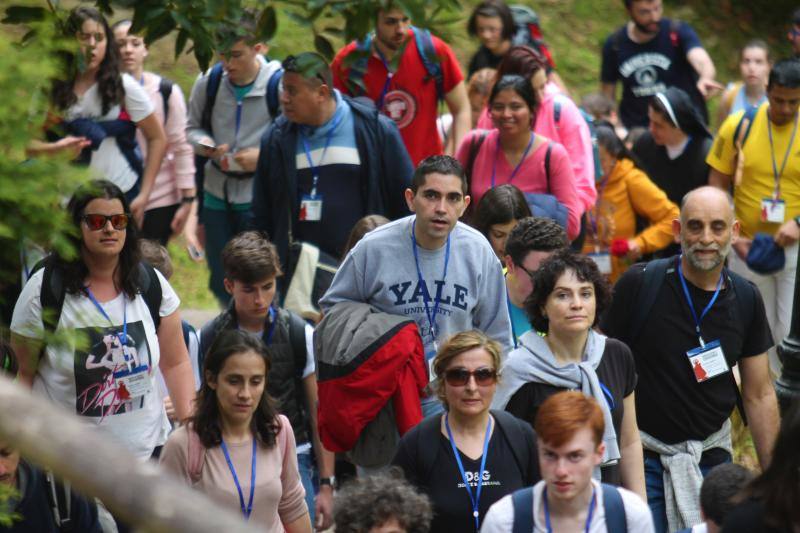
(107, 161)
(81, 378)
(500, 518)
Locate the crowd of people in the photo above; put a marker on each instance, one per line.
(525, 315)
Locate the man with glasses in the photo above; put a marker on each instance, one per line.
(532, 240)
(429, 267)
(327, 162)
(651, 53)
(407, 73)
(228, 114)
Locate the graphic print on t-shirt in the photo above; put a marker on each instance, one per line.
(401, 107)
(411, 296)
(98, 394)
(648, 70)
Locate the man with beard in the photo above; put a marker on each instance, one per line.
(651, 53)
(767, 190)
(677, 311)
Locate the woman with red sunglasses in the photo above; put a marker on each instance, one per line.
(469, 457)
(127, 315)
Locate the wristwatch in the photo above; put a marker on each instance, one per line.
(331, 481)
(188, 199)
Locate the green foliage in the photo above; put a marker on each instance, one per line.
(7, 494)
(31, 191)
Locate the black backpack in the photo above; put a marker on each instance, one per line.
(53, 292)
(165, 88)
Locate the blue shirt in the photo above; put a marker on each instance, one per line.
(519, 321)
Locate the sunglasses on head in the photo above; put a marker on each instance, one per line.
(96, 222)
(458, 377)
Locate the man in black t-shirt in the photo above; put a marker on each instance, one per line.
(686, 390)
(648, 55)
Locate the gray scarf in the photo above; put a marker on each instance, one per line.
(533, 361)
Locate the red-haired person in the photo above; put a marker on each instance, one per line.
(569, 428)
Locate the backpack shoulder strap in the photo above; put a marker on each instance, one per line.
(165, 88)
(212, 88)
(745, 301)
(652, 279)
(509, 426)
(52, 294)
(474, 148)
(522, 501)
(427, 54)
(556, 112)
(195, 455)
(297, 340)
(150, 287)
(428, 443)
(614, 509)
(358, 66)
(674, 32)
(743, 127)
(547, 164)
(273, 96)
(58, 495)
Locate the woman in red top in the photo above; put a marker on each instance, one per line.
(512, 153)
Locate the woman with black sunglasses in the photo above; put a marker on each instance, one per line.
(469, 457)
(127, 316)
(563, 352)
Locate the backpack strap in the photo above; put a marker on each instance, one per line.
(674, 33)
(297, 341)
(165, 88)
(653, 277)
(52, 293)
(58, 495)
(427, 54)
(614, 509)
(742, 130)
(428, 443)
(510, 427)
(522, 501)
(474, 147)
(556, 112)
(745, 302)
(150, 288)
(547, 164)
(212, 88)
(195, 455)
(273, 96)
(358, 67)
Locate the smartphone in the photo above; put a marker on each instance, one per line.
(208, 146)
(194, 253)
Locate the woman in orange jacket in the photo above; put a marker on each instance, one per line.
(623, 193)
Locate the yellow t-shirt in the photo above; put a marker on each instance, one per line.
(758, 181)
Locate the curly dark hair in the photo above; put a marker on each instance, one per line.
(206, 420)
(109, 76)
(500, 205)
(534, 234)
(546, 277)
(75, 270)
(365, 503)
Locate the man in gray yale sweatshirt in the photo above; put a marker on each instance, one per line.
(430, 267)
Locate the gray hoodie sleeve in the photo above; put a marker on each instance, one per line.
(197, 101)
(348, 283)
(491, 313)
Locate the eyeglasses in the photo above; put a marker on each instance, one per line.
(528, 272)
(458, 377)
(97, 222)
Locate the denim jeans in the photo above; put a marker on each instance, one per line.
(654, 481)
(220, 227)
(308, 477)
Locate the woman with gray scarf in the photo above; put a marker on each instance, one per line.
(562, 352)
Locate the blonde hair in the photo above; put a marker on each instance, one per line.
(455, 346)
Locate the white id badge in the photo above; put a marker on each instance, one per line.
(133, 384)
(430, 355)
(603, 261)
(310, 208)
(773, 210)
(707, 361)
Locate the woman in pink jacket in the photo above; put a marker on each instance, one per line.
(512, 153)
(556, 117)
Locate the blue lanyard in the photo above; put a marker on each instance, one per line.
(691, 304)
(497, 156)
(239, 104)
(431, 317)
(249, 509)
(547, 512)
(307, 149)
(388, 82)
(475, 500)
(785, 156)
(513, 329)
(124, 337)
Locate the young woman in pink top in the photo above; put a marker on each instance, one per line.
(570, 129)
(170, 202)
(237, 449)
(512, 153)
